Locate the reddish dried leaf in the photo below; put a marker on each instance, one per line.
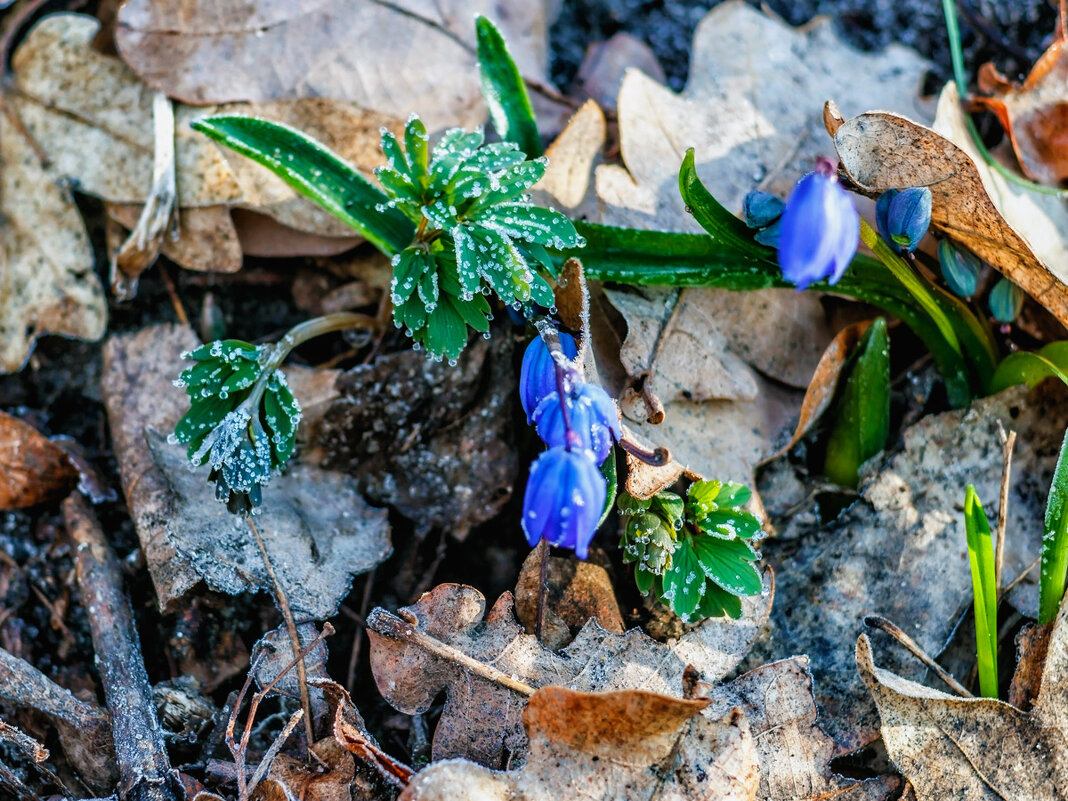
(32, 469)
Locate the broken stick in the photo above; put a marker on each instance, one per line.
(144, 768)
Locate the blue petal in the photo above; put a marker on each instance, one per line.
(563, 500)
(537, 376)
(819, 233)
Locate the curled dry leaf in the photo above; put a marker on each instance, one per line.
(32, 469)
(316, 526)
(1021, 233)
(824, 381)
(625, 745)
(481, 719)
(46, 261)
(900, 551)
(328, 779)
(430, 439)
(1033, 114)
(976, 749)
(214, 51)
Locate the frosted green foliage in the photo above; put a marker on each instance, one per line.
(477, 233)
(694, 554)
(242, 419)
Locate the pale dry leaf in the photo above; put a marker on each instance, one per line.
(33, 470)
(976, 749)
(628, 745)
(481, 719)
(390, 57)
(1019, 232)
(93, 117)
(900, 551)
(572, 158)
(316, 526)
(207, 239)
(794, 753)
(47, 283)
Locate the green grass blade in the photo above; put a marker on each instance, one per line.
(1055, 542)
(721, 225)
(862, 416)
(317, 173)
(504, 91)
(981, 559)
(1031, 368)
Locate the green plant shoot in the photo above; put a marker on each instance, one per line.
(1054, 555)
(984, 587)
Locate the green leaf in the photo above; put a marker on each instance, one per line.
(446, 331)
(644, 580)
(984, 586)
(717, 602)
(862, 414)
(608, 470)
(317, 173)
(417, 144)
(728, 523)
(535, 224)
(684, 581)
(729, 563)
(721, 225)
(504, 91)
(671, 507)
(281, 415)
(203, 416)
(512, 183)
(734, 495)
(1055, 541)
(629, 505)
(1031, 368)
(409, 266)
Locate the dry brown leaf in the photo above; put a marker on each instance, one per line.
(47, 283)
(32, 469)
(976, 749)
(572, 158)
(481, 719)
(794, 752)
(207, 238)
(315, 525)
(1034, 114)
(577, 592)
(900, 551)
(390, 57)
(329, 778)
(824, 381)
(1019, 232)
(92, 116)
(628, 745)
(430, 439)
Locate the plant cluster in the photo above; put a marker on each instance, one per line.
(695, 555)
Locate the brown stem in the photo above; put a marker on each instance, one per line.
(657, 458)
(1008, 442)
(895, 631)
(543, 578)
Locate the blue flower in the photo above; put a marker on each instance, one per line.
(593, 417)
(564, 499)
(903, 217)
(819, 230)
(537, 376)
(960, 268)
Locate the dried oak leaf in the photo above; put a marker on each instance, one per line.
(976, 749)
(900, 551)
(92, 116)
(1021, 233)
(627, 745)
(481, 719)
(431, 439)
(33, 470)
(316, 526)
(328, 779)
(1034, 114)
(46, 261)
(390, 57)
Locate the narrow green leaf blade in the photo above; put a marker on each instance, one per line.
(981, 559)
(504, 91)
(317, 173)
(862, 417)
(1031, 368)
(1055, 542)
(721, 225)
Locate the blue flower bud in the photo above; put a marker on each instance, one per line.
(769, 237)
(1006, 300)
(959, 267)
(903, 217)
(564, 499)
(820, 231)
(537, 376)
(761, 209)
(594, 420)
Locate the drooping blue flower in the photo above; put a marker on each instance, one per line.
(959, 267)
(761, 209)
(537, 376)
(903, 217)
(1006, 300)
(593, 416)
(819, 230)
(564, 499)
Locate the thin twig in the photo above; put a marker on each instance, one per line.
(172, 292)
(389, 625)
(1008, 442)
(272, 751)
(543, 580)
(291, 626)
(895, 631)
(357, 638)
(1021, 577)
